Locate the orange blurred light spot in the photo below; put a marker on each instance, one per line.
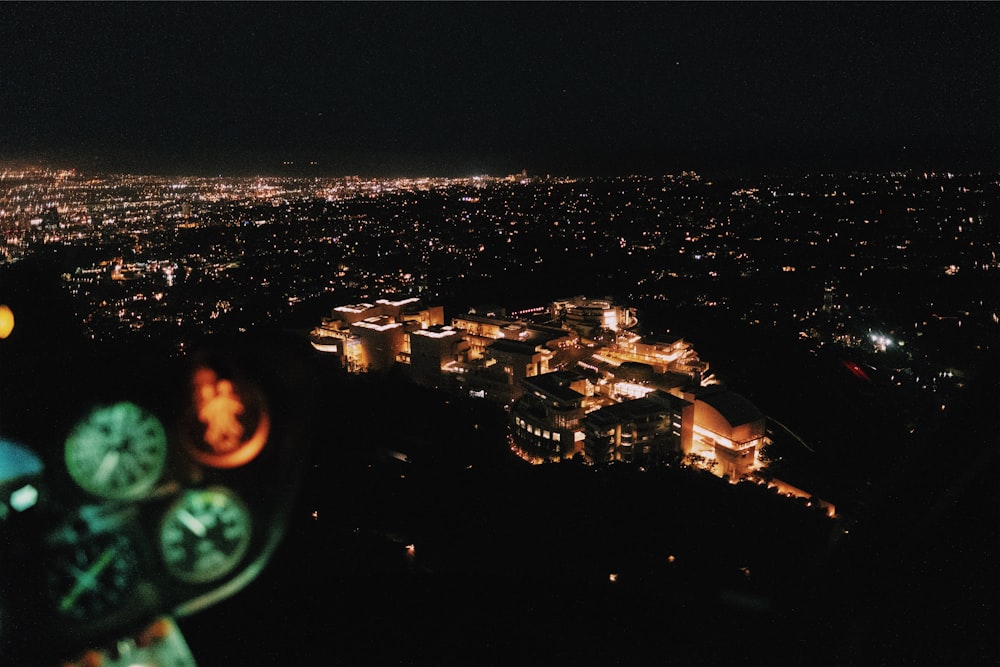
(6, 321)
(219, 407)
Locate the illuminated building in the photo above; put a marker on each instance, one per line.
(665, 354)
(328, 336)
(411, 309)
(520, 359)
(728, 429)
(647, 431)
(434, 348)
(645, 399)
(514, 360)
(630, 379)
(481, 331)
(372, 337)
(503, 352)
(588, 317)
(546, 418)
(382, 342)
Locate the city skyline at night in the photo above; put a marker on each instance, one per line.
(849, 317)
(493, 334)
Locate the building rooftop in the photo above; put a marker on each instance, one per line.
(584, 301)
(513, 346)
(483, 319)
(378, 323)
(437, 331)
(399, 303)
(354, 308)
(629, 410)
(634, 371)
(555, 384)
(669, 380)
(666, 339)
(735, 408)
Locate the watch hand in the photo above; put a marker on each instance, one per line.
(87, 579)
(108, 464)
(119, 416)
(192, 523)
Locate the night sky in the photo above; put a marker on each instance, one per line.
(456, 89)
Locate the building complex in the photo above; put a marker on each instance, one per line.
(577, 378)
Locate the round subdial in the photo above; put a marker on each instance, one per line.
(93, 577)
(228, 424)
(205, 534)
(117, 452)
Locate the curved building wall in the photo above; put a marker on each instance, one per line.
(544, 441)
(541, 434)
(733, 447)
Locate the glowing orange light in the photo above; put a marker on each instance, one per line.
(6, 321)
(221, 409)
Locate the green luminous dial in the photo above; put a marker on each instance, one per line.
(92, 578)
(205, 534)
(117, 452)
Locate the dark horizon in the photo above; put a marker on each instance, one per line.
(390, 167)
(431, 89)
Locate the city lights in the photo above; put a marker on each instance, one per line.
(670, 331)
(880, 341)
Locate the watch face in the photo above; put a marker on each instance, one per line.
(229, 423)
(117, 452)
(205, 534)
(93, 577)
